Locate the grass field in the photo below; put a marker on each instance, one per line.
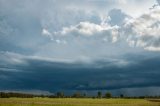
(76, 102)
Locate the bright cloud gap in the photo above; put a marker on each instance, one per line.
(138, 32)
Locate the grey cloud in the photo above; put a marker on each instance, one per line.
(5, 28)
(117, 17)
(152, 91)
(105, 75)
(158, 1)
(87, 29)
(23, 23)
(85, 57)
(9, 70)
(144, 31)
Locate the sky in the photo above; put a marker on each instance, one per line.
(88, 45)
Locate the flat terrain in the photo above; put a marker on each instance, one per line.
(76, 102)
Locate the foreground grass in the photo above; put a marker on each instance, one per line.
(75, 102)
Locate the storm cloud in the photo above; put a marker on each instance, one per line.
(86, 45)
(30, 73)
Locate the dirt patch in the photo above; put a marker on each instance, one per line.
(154, 100)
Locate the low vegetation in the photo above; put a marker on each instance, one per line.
(75, 102)
(77, 99)
(74, 95)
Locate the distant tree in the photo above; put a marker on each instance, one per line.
(108, 95)
(121, 95)
(19, 95)
(93, 97)
(77, 95)
(99, 94)
(84, 95)
(42, 96)
(51, 96)
(60, 94)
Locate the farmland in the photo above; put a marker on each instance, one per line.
(76, 102)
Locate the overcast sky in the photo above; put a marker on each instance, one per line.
(86, 45)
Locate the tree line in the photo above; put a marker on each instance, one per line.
(57, 95)
(75, 95)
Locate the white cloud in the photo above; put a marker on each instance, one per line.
(47, 33)
(87, 29)
(144, 31)
(141, 32)
(9, 70)
(84, 28)
(12, 58)
(81, 29)
(151, 48)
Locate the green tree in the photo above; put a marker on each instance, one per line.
(121, 95)
(60, 94)
(108, 95)
(84, 95)
(77, 95)
(99, 94)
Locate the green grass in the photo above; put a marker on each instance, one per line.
(75, 102)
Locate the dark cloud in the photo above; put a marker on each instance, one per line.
(31, 61)
(117, 17)
(53, 76)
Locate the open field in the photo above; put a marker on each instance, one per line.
(76, 102)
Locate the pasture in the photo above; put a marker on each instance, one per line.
(76, 102)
